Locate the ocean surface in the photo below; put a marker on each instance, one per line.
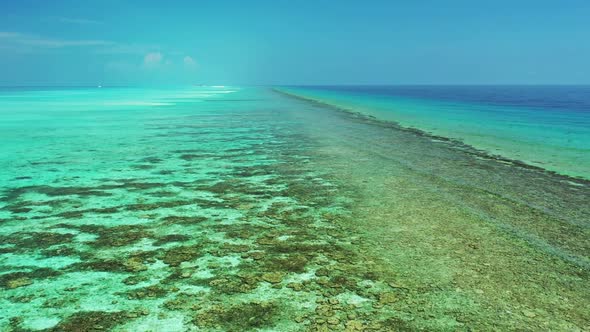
(544, 126)
(253, 208)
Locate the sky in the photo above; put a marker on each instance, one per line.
(136, 42)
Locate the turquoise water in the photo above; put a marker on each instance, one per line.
(240, 208)
(162, 210)
(548, 127)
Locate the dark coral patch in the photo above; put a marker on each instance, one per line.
(291, 263)
(15, 193)
(176, 255)
(74, 214)
(171, 238)
(154, 291)
(36, 240)
(20, 279)
(116, 236)
(89, 321)
(239, 317)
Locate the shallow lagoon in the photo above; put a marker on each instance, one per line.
(241, 208)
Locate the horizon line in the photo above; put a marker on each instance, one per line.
(298, 85)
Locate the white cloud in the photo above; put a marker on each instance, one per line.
(152, 60)
(58, 43)
(16, 39)
(27, 42)
(118, 59)
(189, 62)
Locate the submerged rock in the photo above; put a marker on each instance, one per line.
(89, 321)
(134, 265)
(21, 279)
(529, 313)
(239, 317)
(354, 325)
(19, 282)
(175, 256)
(273, 277)
(387, 298)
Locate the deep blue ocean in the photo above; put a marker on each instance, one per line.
(567, 98)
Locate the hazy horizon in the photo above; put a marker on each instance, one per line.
(292, 85)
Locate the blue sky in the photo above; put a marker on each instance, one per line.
(65, 42)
